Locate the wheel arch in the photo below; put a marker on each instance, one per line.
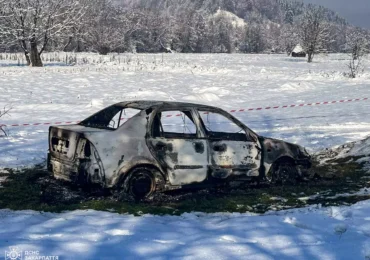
(281, 159)
(283, 170)
(285, 158)
(124, 172)
(128, 165)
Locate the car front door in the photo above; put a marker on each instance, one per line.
(177, 143)
(234, 149)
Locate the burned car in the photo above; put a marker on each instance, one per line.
(142, 147)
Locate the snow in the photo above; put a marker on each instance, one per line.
(60, 93)
(358, 151)
(298, 49)
(359, 148)
(309, 233)
(236, 21)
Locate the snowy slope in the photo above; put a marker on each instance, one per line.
(358, 151)
(59, 93)
(310, 233)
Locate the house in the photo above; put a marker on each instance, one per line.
(298, 52)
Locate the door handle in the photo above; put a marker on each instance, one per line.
(219, 147)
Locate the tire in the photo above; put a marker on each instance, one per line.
(142, 182)
(282, 173)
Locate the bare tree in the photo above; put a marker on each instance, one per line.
(313, 30)
(288, 38)
(109, 26)
(34, 23)
(357, 46)
(254, 40)
(104, 27)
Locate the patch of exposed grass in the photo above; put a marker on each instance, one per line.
(340, 168)
(21, 190)
(34, 189)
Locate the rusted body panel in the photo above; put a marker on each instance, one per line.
(96, 152)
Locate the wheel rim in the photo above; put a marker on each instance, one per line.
(141, 185)
(284, 173)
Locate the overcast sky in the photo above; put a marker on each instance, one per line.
(356, 12)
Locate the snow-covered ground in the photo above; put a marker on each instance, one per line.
(310, 233)
(59, 93)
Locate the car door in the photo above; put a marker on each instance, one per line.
(177, 143)
(234, 149)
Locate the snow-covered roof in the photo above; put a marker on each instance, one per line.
(235, 20)
(298, 49)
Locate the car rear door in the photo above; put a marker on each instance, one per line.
(177, 143)
(234, 149)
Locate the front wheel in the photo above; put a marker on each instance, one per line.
(282, 173)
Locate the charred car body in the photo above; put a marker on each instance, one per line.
(147, 146)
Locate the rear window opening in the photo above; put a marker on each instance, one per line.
(122, 117)
(110, 118)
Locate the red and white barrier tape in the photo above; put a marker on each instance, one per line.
(42, 124)
(231, 111)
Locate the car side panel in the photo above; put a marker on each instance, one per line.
(240, 157)
(184, 160)
(119, 149)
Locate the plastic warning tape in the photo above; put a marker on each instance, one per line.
(300, 105)
(231, 111)
(42, 124)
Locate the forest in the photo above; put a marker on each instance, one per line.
(183, 26)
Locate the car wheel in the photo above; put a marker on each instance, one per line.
(282, 173)
(142, 182)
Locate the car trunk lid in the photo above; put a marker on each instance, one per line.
(63, 140)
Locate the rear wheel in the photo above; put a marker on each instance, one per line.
(282, 173)
(142, 182)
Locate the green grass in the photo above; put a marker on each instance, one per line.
(34, 189)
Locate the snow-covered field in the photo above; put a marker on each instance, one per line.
(58, 93)
(310, 233)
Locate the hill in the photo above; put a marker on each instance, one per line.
(208, 25)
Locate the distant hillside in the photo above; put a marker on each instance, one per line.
(272, 10)
(186, 26)
(209, 25)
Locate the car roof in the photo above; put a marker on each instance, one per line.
(146, 104)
